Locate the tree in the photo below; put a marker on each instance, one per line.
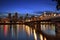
(58, 4)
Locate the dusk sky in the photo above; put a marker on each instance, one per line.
(27, 6)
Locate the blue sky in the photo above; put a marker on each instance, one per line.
(27, 6)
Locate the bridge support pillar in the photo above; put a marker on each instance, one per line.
(38, 26)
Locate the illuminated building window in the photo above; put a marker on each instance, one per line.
(49, 15)
(54, 14)
(44, 13)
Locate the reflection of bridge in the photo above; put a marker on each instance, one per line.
(54, 19)
(44, 20)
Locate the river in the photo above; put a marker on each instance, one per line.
(25, 32)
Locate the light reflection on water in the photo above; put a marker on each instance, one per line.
(41, 36)
(35, 35)
(49, 29)
(20, 32)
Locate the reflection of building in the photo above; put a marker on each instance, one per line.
(5, 30)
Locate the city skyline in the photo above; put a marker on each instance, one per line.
(27, 6)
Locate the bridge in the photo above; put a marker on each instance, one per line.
(44, 20)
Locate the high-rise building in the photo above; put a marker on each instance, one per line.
(16, 15)
(9, 15)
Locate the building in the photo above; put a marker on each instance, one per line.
(48, 15)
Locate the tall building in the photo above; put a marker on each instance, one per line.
(16, 15)
(9, 15)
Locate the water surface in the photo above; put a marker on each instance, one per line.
(24, 32)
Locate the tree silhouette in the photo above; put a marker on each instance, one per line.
(58, 4)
